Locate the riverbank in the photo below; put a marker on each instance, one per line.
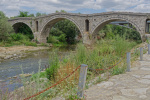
(16, 52)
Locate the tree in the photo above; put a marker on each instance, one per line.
(23, 28)
(40, 14)
(112, 30)
(67, 28)
(5, 27)
(23, 14)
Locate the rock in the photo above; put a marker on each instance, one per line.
(147, 76)
(145, 68)
(15, 55)
(57, 98)
(144, 81)
(1, 80)
(136, 76)
(14, 76)
(105, 84)
(44, 79)
(128, 92)
(141, 90)
(25, 75)
(120, 98)
(50, 45)
(7, 57)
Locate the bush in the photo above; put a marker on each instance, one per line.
(62, 38)
(27, 43)
(18, 37)
(54, 65)
(51, 39)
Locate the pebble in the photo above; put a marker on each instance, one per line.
(145, 81)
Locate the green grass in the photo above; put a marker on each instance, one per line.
(17, 39)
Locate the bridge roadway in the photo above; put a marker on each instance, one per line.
(88, 24)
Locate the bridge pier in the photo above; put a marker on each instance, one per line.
(87, 39)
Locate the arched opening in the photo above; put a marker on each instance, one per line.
(61, 31)
(37, 26)
(23, 29)
(113, 27)
(147, 30)
(86, 25)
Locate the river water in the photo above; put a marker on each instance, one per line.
(10, 69)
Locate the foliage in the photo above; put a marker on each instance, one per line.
(5, 27)
(18, 37)
(24, 29)
(62, 38)
(51, 39)
(40, 14)
(28, 43)
(112, 30)
(67, 28)
(54, 65)
(25, 14)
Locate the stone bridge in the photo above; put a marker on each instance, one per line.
(88, 24)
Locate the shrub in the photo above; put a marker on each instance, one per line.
(54, 65)
(27, 43)
(18, 37)
(62, 38)
(51, 39)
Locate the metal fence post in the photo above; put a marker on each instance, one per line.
(141, 54)
(148, 48)
(128, 61)
(82, 80)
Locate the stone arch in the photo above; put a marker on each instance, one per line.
(20, 22)
(52, 20)
(108, 20)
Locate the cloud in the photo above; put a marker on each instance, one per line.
(12, 7)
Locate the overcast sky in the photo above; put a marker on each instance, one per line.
(12, 7)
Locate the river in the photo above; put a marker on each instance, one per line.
(10, 69)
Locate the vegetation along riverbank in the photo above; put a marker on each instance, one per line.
(105, 53)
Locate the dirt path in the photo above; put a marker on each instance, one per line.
(15, 52)
(134, 85)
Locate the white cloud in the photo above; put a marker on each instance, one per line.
(12, 7)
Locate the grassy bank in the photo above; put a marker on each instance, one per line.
(16, 39)
(104, 54)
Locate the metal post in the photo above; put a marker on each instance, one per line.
(148, 48)
(128, 61)
(82, 80)
(141, 54)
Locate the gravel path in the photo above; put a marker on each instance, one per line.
(134, 85)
